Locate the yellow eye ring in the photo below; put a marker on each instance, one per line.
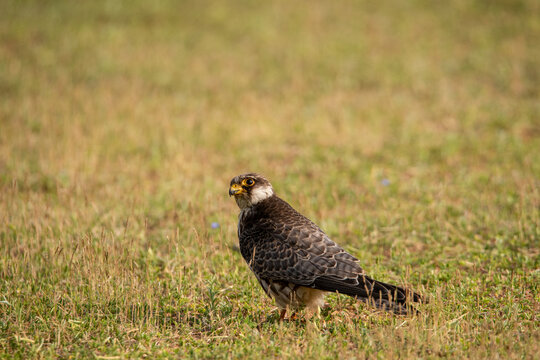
(248, 182)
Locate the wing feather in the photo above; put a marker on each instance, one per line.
(280, 244)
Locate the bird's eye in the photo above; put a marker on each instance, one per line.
(249, 182)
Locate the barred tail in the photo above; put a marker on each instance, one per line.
(381, 295)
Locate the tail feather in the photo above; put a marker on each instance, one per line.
(381, 295)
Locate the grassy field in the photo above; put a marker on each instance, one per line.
(408, 130)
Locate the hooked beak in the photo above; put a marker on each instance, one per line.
(236, 189)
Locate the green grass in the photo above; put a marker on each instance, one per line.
(410, 131)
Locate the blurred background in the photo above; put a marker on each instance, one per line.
(409, 130)
(166, 101)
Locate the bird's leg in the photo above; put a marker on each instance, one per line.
(282, 314)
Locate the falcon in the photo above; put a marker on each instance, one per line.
(295, 262)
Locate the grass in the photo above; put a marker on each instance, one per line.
(410, 131)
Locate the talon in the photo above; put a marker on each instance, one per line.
(282, 314)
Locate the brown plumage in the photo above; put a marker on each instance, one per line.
(295, 261)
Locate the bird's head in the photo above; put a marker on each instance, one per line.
(249, 189)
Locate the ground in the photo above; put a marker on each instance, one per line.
(409, 131)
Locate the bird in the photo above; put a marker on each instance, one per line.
(295, 262)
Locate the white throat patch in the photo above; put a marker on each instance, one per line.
(261, 193)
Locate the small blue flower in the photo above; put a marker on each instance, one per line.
(215, 225)
(385, 182)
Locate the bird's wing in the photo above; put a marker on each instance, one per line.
(294, 249)
(297, 251)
